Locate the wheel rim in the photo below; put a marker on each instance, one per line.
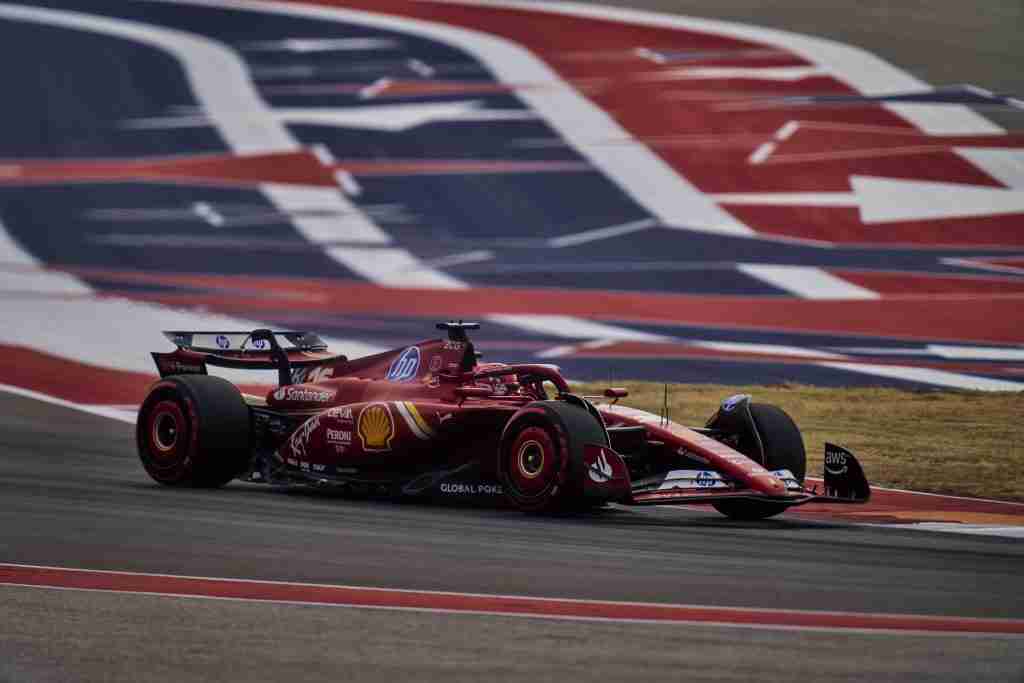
(530, 459)
(532, 463)
(167, 432)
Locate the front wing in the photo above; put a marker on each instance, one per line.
(843, 483)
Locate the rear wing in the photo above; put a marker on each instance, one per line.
(245, 342)
(257, 350)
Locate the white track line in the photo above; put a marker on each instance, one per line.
(770, 349)
(829, 199)
(764, 73)
(760, 154)
(571, 327)
(974, 529)
(601, 233)
(395, 118)
(979, 264)
(114, 413)
(307, 45)
(940, 378)
(460, 258)
(1007, 354)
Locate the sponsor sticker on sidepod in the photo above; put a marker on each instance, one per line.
(405, 366)
(303, 394)
(472, 489)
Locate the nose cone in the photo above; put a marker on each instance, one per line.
(772, 485)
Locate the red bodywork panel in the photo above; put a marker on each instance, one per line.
(408, 407)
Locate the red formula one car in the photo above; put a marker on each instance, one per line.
(430, 421)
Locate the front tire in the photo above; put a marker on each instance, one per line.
(193, 430)
(541, 446)
(783, 450)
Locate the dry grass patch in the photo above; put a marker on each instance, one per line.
(956, 442)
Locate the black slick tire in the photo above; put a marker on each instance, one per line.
(194, 430)
(783, 449)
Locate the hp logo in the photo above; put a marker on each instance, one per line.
(405, 366)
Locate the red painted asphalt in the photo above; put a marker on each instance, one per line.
(950, 317)
(929, 308)
(468, 603)
(290, 168)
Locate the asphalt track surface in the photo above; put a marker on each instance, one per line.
(72, 494)
(83, 501)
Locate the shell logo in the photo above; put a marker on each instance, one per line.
(376, 427)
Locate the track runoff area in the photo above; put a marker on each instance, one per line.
(669, 196)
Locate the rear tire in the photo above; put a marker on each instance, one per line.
(194, 430)
(783, 450)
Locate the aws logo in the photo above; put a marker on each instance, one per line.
(376, 427)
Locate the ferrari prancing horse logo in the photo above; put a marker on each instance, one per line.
(376, 427)
(600, 470)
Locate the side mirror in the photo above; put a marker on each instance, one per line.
(616, 393)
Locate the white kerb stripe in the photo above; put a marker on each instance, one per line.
(807, 282)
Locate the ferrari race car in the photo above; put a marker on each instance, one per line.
(431, 421)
